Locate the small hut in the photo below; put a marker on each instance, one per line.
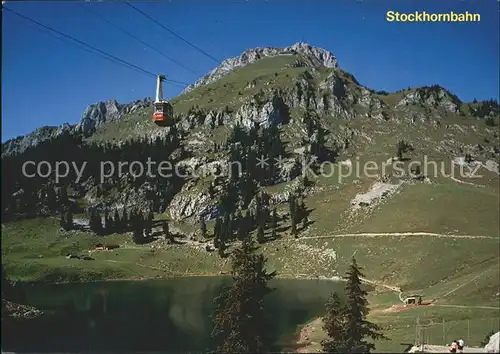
(413, 300)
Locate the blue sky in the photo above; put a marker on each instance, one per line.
(49, 82)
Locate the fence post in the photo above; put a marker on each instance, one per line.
(444, 336)
(418, 332)
(468, 330)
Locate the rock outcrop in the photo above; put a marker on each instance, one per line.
(434, 96)
(272, 112)
(493, 345)
(317, 56)
(97, 114)
(38, 136)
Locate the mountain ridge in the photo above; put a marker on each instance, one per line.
(103, 113)
(322, 56)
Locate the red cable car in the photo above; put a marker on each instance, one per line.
(164, 113)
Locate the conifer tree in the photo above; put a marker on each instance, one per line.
(225, 234)
(125, 219)
(95, 222)
(63, 196)
(274, 223)
(333, 325)
(241, 323)
(117, 222)
(260, 234)
(222, 248)
(62, 220)
(241, 226)
(203, 227)
(347, 327)
(166, 232)
(217, 232)
(230, 227)
(294, 227)
(305, 221)
(293, 206)
(138, 235)
(107, 222)
(358, 329)
(148, 224)
(69, 219)
(51, 198)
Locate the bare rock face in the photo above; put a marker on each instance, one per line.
(434, 96)
(493, 345)
(317, 56)
(97, 114)
(20, 311)
(272, 112)
(326, 98)
(192, 204)
(290, 168)
(38, 136)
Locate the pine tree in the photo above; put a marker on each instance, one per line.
(356, 328)
(117, 222)
(107, 222)
(166, 232)
(51, 198)
(63, 196)
(293, 206)
(222, 247)
(274, 224)
(138, 235)
(241, 323)
(125, 219)
(333, 325)
(230, 227)
(241, 225)
(260, 234)
(62, 220)
(69, 219)
(305, 221)
(203, 227)
(148, 224)
(294, 227)
(95, 222)
(225, 234)
(217, 232)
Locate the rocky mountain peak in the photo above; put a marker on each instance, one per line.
(431, 96)
(318, 56)
(99, 113)
(20, 144)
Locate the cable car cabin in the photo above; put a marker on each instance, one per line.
(164, 114)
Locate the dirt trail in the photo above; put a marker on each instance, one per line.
(460, 286)
(463, 182)
(396, 289)
(400, 234)
(469, 307)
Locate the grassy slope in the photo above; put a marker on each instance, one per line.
(36, 250)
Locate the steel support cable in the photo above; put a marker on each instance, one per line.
(95, 13)
(174, 33)
(95, 50)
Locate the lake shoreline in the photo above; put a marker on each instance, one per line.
(204, 275)
(180, 306)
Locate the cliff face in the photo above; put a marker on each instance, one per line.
(98, 114)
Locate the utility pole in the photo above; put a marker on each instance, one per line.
(444, 335)
(417, 331)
